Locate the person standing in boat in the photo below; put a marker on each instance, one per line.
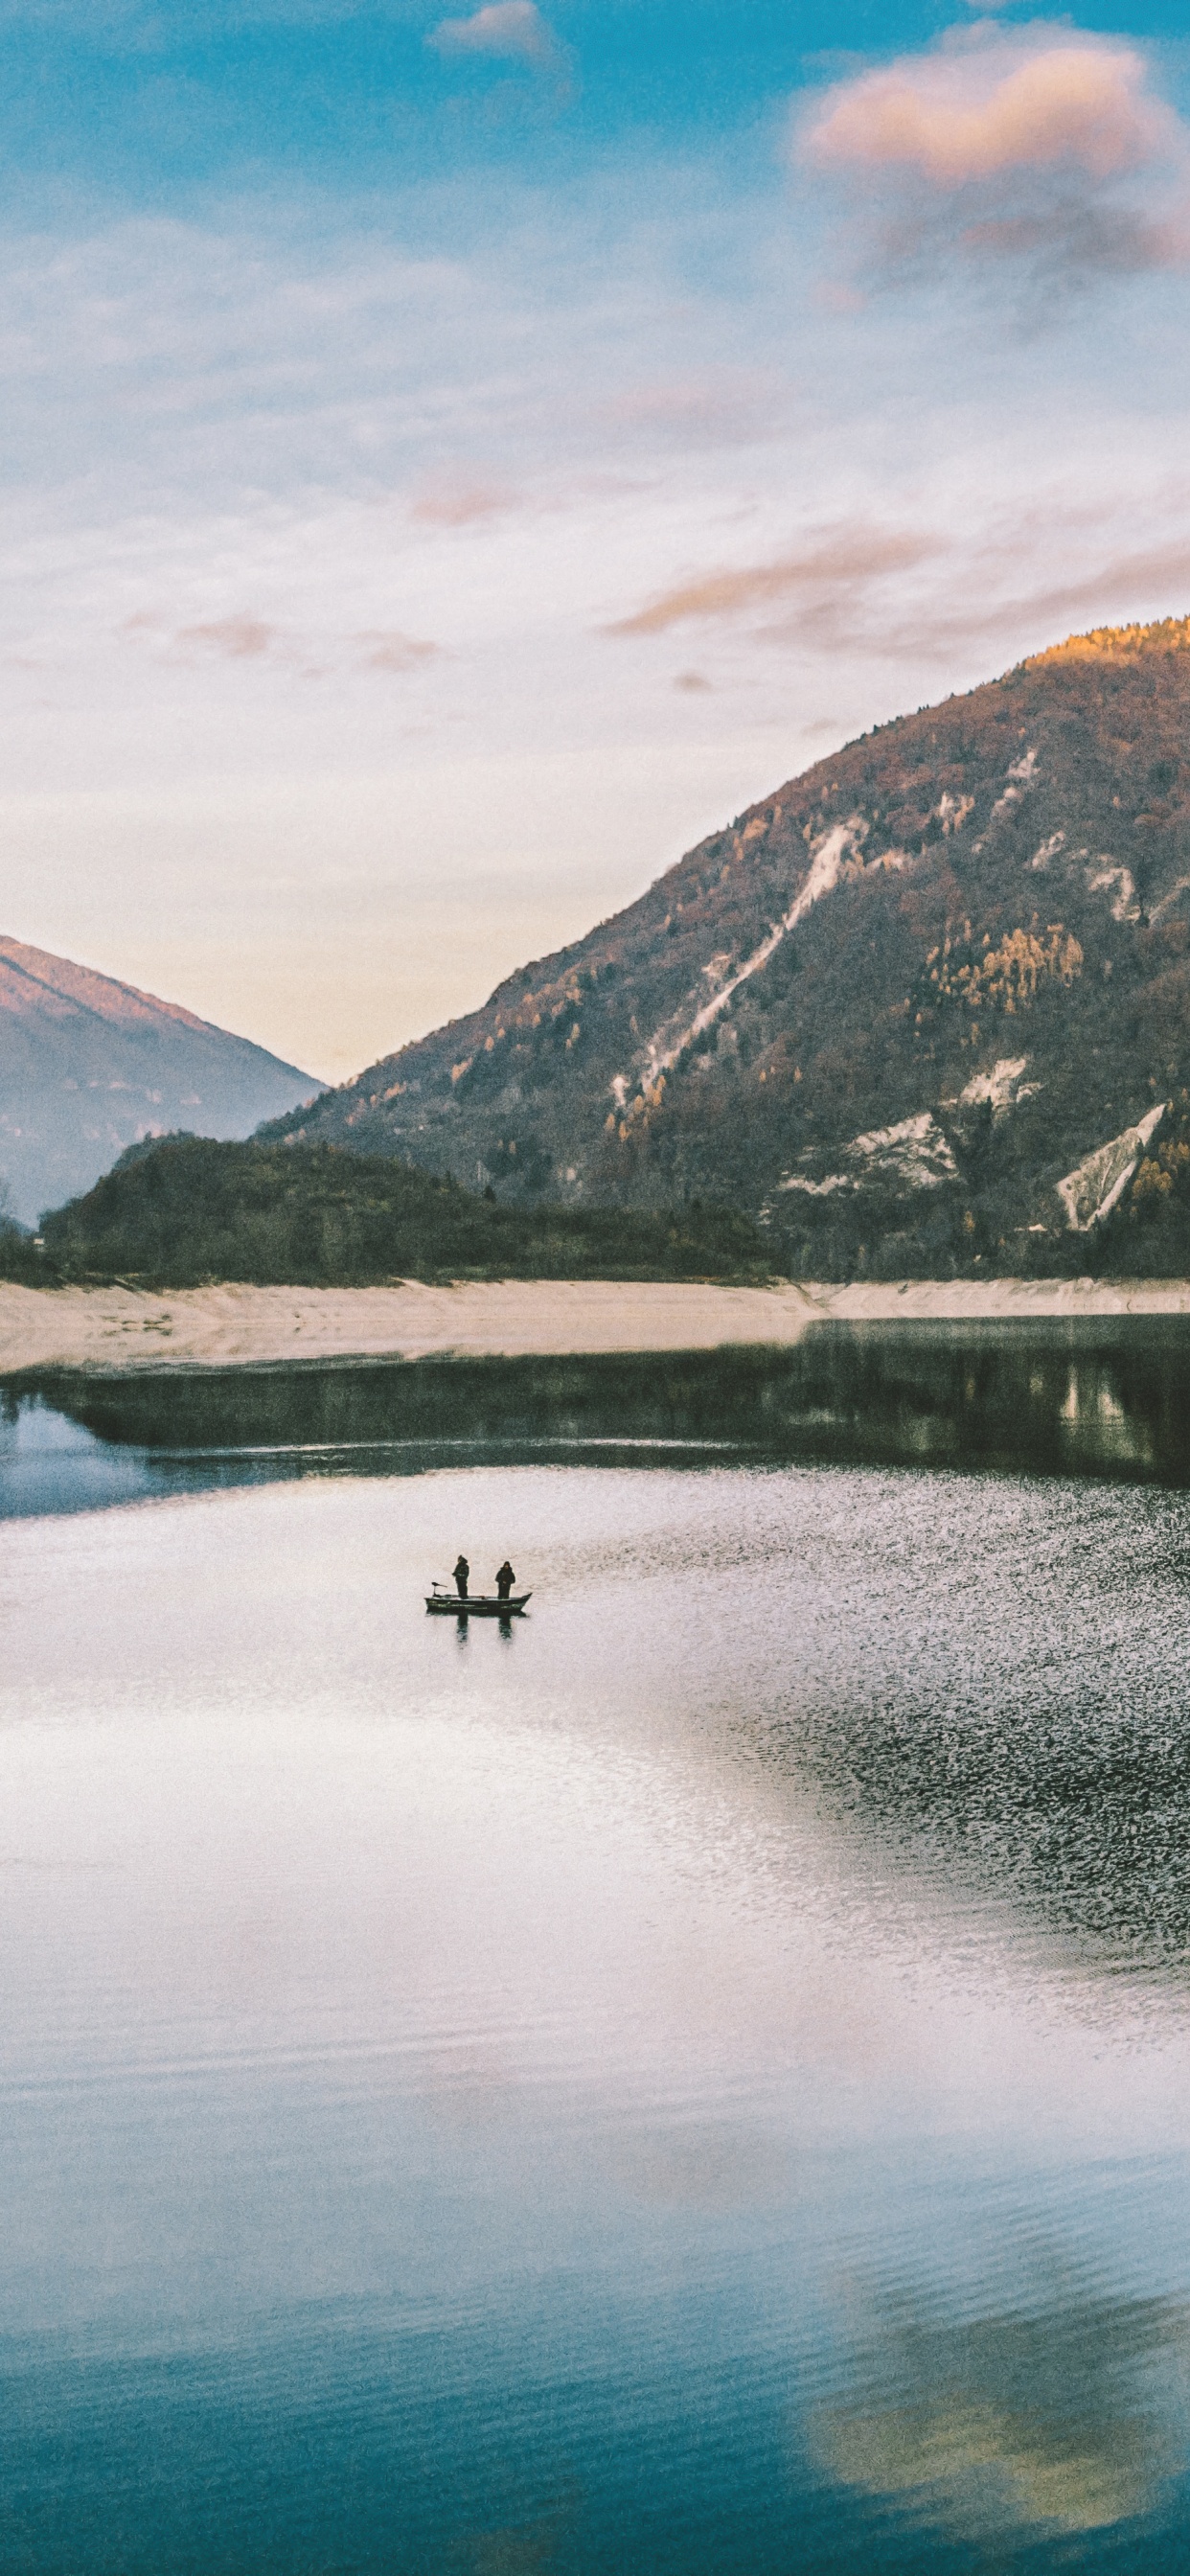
(505, 1580)
(462, 1576)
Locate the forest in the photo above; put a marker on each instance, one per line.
(180, 1211)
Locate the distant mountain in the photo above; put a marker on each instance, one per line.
(88, 1066)
(921, 1006)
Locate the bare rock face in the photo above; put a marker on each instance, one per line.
(977, 917)
(89, 1066)
(914, 1155)
(1097, 1184)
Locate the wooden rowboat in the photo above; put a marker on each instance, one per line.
(476, 1605)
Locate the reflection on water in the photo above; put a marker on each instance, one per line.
(1109, 1398)
(699, 2083)
(1070, 2415)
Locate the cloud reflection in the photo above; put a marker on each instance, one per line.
(1069, 2416)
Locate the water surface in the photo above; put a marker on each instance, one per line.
(696, 2083)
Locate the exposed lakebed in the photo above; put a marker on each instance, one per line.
(699, 2082)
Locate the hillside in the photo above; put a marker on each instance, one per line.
(184, 1211)
(890, 1010)
(88, 1065)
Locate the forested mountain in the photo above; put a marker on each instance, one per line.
(88, 1065)
(922, 1004)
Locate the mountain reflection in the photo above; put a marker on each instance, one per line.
(1071, 2416)
(1087, 1399)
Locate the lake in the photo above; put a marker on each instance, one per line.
(697, 2082)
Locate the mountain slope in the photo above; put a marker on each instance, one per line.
(88, 1066)
(895, 1004)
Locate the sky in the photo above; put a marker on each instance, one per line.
(450, 460)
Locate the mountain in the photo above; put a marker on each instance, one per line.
(922, 1006)
(88, 1066)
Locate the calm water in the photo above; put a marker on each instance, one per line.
(697, 2083)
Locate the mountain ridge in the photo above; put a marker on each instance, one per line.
(83, 988)
(89, 1065)
(976, 916)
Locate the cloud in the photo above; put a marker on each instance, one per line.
(459, 504)
(239, 639)
(852, 593)
(846, 560)
(1079, 243)
(1143, 581)
(393, 651)
(508, 30)
(1042, 150)
(717, 405)
(245, 638)
(976, 115)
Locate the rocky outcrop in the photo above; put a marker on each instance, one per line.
(912, 1156)
(1097, 1184)
(1001, 1089)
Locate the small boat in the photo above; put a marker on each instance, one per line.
(475, 1605)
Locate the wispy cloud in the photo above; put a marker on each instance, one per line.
(459, 503)
(1041, 147)
(237, 639)
(718, 406)
(855, 593)
(1078, 243)
(993, 603)
(508, 30)
(393, 651)
(244, 637)
(844, 561)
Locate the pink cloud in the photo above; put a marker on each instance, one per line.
(240, 639)
(1051, 149)
(245, 638)
(392, 651)
(846, 560)
(725, 400)
(458, 504)
(977, 115)
(510, 30)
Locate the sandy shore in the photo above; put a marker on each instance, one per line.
(121, 1328)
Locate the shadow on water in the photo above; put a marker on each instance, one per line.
(1110, 1399)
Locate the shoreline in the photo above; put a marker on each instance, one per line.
(112, 1331)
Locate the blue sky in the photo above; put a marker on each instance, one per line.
(152, 99)
(453, 457)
